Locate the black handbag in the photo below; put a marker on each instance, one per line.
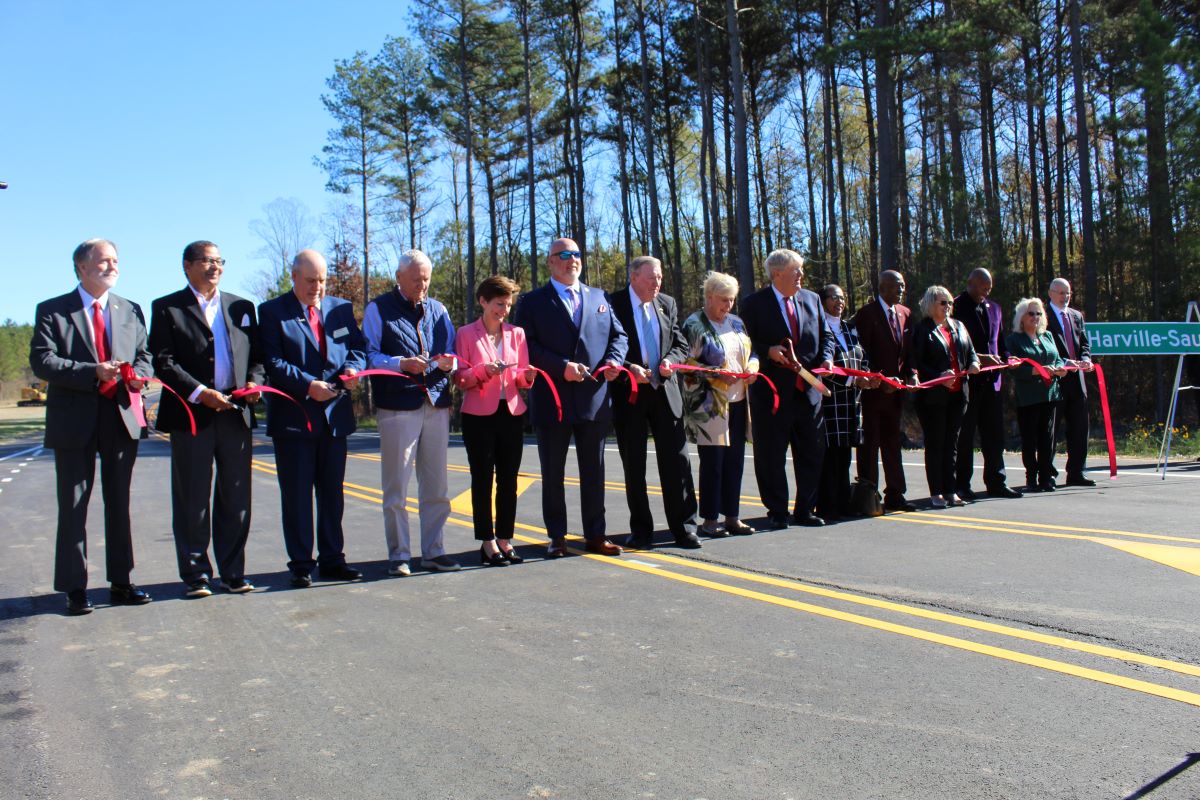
(865, 500)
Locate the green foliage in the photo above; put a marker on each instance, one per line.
(14, 352)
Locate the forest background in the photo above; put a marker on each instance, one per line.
(1038, 138)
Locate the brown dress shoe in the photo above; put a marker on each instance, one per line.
(603, 547)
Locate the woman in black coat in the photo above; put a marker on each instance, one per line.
(941, 346)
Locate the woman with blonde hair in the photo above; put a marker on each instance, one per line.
(1035, 400)
(940, 346)
(715, 411)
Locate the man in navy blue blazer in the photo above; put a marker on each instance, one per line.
(312, 348)
(778, 312)
(572, 333)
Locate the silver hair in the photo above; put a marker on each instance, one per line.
(642, 261)
(932, 295)
(1023, 307)
(718, 284)
(783, 258)
(410, 257)
(84, 251)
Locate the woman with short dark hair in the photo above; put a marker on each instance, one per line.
(496, 367)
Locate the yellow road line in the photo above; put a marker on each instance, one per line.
(928, 515)
(916, 611)
(1052, 665)
(918, 519)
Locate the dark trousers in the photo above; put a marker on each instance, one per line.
(553, 443)
(75, 474)
(308, 467)
(800, 425)
(225, 442)
(1071, 419)
(985, 413)
(721, 468)
(940, 423)
(494, 444)
(1037, 442)
(651, 415)
(881, 437)
(833, 500)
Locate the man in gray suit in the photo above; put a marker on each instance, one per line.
(80, 342)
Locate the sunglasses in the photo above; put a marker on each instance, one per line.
(945, 302)
(1033, 313)
(567, 255)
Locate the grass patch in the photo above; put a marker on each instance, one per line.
(11, 430)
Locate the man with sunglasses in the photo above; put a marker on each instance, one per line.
(205, 346)
(576, 339)
(984, 321)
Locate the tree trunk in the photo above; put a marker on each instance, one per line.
(621, 143)
(889, 126)
(872, 180)
(760, 173)
(672, 176)
(829, 182)
(1082, 144)
(1035, 214)
(531, 176)
(744, 255)
(706, 126)
(469, 160)
(648, 134)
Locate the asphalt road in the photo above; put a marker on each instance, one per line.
(1045, 647)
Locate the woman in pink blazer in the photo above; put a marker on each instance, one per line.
(494, 365)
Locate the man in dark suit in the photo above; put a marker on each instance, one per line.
(572, 332)
(778, 313)
(651, 321)
(312, 348)
(984, 321)
(1071, 415)
(205, 345)
(883, 324)
(80, 340)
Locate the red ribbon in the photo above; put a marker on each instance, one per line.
(247, 390)
(633, 386)
(733, 376)
(553, 391)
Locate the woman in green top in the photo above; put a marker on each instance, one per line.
(1035, 399)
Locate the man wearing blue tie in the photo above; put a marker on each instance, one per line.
(572, 333)
(312, 348)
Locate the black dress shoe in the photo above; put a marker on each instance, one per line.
(1004, 492)
(237, 585)
(899, 504)
(966, 494)
(688, 541)
(776, 522)
(512, 556)
(1048, 486)
(341, 572)
(302, 580)
(497, 560)
(1079, 480)
(738, 528)
(199, 588)
(809, 520)
(78, 603)
(557, 548)
(639, 542)
(126, 594)
(1033, 488)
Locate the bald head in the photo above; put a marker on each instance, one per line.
(979, 284)
(891, 286)
(565, 261)
(309, 272)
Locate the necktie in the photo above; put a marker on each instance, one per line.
(576, 306)
(100, 334)
(314, 322)
(649, 343)
(1068, 334)
(895, 323)
(794, 324)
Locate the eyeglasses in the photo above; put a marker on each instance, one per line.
(839, 298)
(209, 262)
(1033, 313)
(567, 255)
(945, 302)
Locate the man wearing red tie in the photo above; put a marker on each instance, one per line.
(80, 342)
(1066, 325)
(882, 325)
(312, 348)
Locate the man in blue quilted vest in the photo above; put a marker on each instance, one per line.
(410, 333)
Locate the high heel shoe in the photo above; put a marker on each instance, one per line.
(511, 555)
(496, 560)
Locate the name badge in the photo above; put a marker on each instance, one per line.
(340, 332)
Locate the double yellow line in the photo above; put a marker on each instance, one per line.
(678, 569)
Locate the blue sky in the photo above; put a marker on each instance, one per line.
(154, 124)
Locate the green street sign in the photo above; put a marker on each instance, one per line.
(1143, 338)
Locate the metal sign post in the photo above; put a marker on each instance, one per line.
(1164, 451)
